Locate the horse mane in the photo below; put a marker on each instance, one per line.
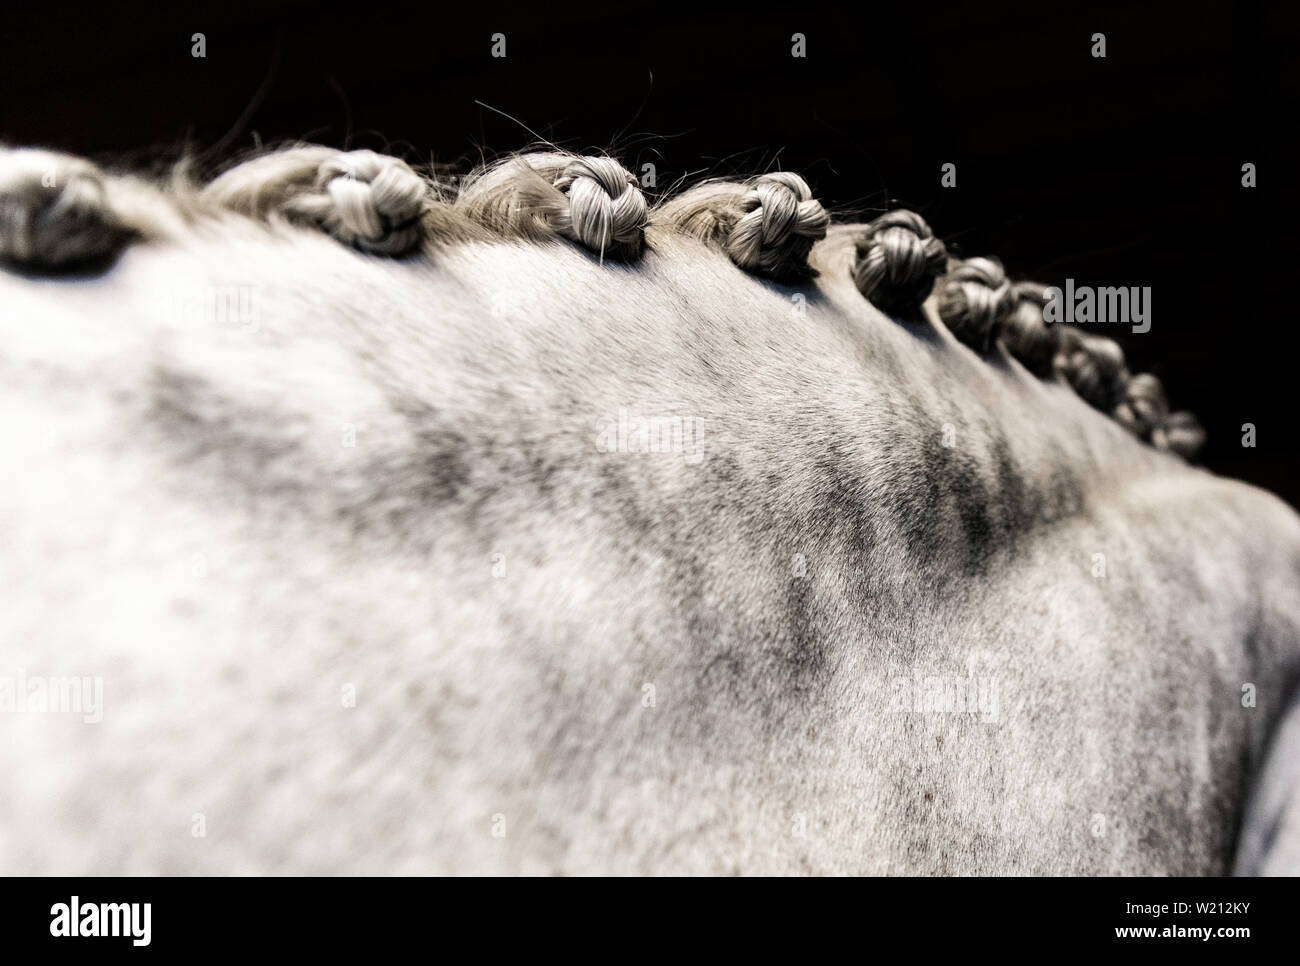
(911, 476)
(59, 212)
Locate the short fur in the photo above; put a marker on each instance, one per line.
(569, 655)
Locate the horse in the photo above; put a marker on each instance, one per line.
(522, 523)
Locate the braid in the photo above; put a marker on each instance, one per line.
(1026, 336)
(767, 226)
(369, 201)
(975, 300)
(57, 212)
(898, 260)
(593, 201)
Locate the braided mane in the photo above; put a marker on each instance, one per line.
(511, 454)
(57, 212)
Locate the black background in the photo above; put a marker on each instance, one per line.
(1117, 171)
(343, 920)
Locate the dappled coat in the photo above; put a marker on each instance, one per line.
(385, 524)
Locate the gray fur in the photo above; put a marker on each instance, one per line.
(1270, 837)
(873, 505)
